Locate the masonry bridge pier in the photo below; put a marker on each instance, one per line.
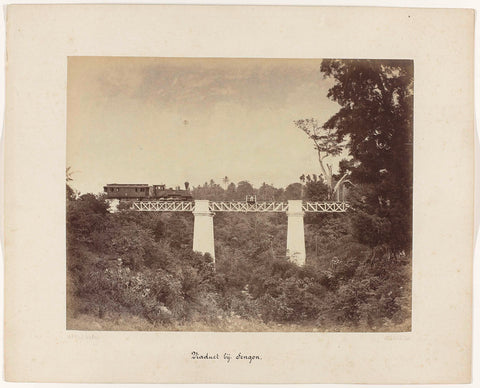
(204, 210)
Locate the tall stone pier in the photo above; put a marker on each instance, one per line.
(203, 241)
(295, 233)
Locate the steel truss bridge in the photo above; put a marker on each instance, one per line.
(204, 210)
(241, 207)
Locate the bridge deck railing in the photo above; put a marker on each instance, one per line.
(232, 206)
(245, 207)
(164, 206)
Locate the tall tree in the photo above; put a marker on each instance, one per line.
(376, 121)
(326, 144)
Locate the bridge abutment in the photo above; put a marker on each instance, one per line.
(203, 240)
(295, 233)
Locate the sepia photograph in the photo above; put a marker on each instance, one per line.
(239, 194)
(210, 194)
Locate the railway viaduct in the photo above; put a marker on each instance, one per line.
(204, 210)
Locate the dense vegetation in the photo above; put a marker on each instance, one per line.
(133, 271)
(128, 264)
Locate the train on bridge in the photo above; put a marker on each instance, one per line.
(139, 192)
(144, 192)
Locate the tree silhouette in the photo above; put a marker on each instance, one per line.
(326, 144)
(376, 120)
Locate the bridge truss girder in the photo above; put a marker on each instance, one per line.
(164, 206)
(203, 211)
(245, 207)
(239, 207)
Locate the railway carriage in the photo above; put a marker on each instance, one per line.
(126, 191)
(142, 191)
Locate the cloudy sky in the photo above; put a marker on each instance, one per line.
(169, 120)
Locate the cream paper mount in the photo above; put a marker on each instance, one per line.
(40, 39)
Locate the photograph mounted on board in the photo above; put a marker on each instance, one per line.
(223, 194)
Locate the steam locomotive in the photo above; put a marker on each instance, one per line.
(145, 192)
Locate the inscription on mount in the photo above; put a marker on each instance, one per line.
(227, 357)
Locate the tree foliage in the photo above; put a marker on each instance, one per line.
(132, 264)
(358, 270)
(326, 144)
(376, 120)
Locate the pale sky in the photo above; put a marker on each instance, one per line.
(171, 120)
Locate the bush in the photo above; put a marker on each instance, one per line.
(130, 264)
